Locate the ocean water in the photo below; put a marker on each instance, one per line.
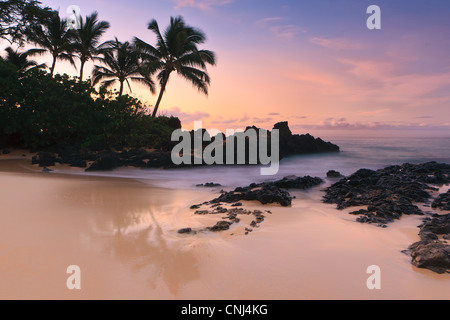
(356, 153)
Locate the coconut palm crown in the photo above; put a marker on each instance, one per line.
(177, 50)
(21, 60)
(54, 38)
(121, 63)
(87, 39)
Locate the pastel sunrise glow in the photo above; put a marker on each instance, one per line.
(314, 63)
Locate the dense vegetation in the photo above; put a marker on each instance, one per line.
(40, 108)
(38, 111)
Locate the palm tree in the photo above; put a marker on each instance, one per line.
(121, 63)
(54, 38)
(177, 51)
(20, 60)
(87, 38)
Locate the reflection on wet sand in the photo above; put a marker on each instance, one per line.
(136, 226)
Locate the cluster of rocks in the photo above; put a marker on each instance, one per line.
(100, 158)
(433, 250)
(232, 216)
(103, 160)
(393, 191)
(442, 202)
(388, 193)
(265, 193)
(209, 185)
(269, 192)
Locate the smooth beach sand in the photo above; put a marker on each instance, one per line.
(122, 233)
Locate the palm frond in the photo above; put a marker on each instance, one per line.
(153, 26)
(199, 82)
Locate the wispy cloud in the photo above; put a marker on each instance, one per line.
(201, 4)
(375, 112)
(278, 27)
(262, 23)
(386, 82)
(186, 117)
(343, 124)
(336, 43)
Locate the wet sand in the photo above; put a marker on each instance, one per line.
(123, 235)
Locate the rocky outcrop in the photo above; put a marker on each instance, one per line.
(209, 185)
(44, 159)
(394, 191)
(106, 161)
(265, 193)
(442, 202)
(293, 144)
(101, 158)
(388, 193)
(232, 216)
(433, 251)
(332, 174)
(268, 192)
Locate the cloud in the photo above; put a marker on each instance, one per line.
(262, 23)
(186, 117)
(343, 124)
(220, 121)
(274, 114)
(278, 29)
(287, 31)
(337, 43)
(262, 120)
(374, 112)
(201, 4)
(386, 82)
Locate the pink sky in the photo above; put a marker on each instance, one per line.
(315, 65)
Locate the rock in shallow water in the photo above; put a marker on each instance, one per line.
(185, 230)
(390, 192)
(332, 174)
(432, 253)
(269, 192)
(442, 202)
(221, 226)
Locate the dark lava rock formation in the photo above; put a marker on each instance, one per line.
(388, 193)
(433, 251)
(269, 192)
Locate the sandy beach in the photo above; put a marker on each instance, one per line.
(122, 233)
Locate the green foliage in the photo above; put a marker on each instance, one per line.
(38, 111)
(17, 16)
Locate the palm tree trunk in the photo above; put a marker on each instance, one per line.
(81, 71)
(121, 89)
(163, 88)
(52, 70)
